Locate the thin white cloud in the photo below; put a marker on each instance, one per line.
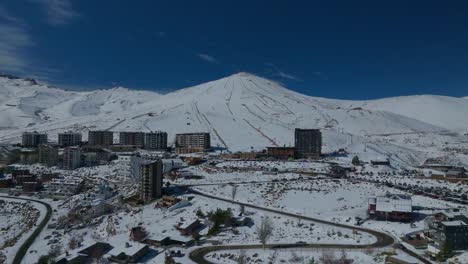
(282, 74)
(59, 12)
(6, 17)
(286, 75)
(14, 40)
(207, 58)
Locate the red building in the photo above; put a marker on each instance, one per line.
(391, 207)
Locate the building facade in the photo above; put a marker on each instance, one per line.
(151, 180)
(33, 139)
(454, 233)
(281, 152)
(62, 187)
(132, 138)
(100, 138)
(48, 155)
(69, 139)
(156, 140)
(308, 143)
(192, 142)
(391, 207)
(71, 158)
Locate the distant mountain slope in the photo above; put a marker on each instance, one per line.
(442, 111)
(241, 112)
(24, 103)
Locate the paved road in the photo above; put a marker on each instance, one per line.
(383, 240)
(243, 182)
(30, 240)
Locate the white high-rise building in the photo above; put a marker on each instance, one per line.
(71, 158)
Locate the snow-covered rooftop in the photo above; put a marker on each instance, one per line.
(394, 203)
(454, 223)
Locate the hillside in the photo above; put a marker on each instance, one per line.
(241, 112)
(442, 111)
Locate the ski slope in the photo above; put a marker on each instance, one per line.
(242, 112)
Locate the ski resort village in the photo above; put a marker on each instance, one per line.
(237, 170)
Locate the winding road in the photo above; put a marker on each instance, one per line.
(30, 240)
(198, 255)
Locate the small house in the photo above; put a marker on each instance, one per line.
(138, 234)
(189, 227)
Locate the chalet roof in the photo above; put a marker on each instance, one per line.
(454, 223)
(394, 203)
(127, 248)
(188, 223)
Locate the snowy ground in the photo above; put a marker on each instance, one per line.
(18, 219)
(335, 200)
(302, 256)
(160, 222)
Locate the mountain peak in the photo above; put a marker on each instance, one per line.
(243, 74)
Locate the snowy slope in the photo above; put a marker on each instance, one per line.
(241, 112)
(442, 111)
(25, 104)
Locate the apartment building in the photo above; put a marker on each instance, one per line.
(151, 180)
(100, 138)
(156, 140)
(69, 139)
(308, 143)
(192, 142)
(48, 155)
(33, 139)
(71, 158)
(132, 138)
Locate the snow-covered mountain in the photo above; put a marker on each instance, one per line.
(241, 112)
(442, 111)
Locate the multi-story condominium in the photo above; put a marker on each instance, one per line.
(192, 142)
(156, 140)
(62, 187)
(68, 139)
(48, 155)
(132, 138)
(308, 143)
(136, 160)
(33, 139)
(100, 138)
(151, 180)
(71, 158)
(454, 233)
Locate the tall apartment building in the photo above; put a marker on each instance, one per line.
(100, 138)
(308, 143)
(192, 142)
(71, 158)
(68, 139)
(132, 138)
(156, 140)
(48, 155)
(151, 180)
(33, 139)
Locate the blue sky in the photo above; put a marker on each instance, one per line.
(338, 49)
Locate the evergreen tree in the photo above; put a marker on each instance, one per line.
(43, 260)
(356, 161)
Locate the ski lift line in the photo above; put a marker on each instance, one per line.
(261, 133)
